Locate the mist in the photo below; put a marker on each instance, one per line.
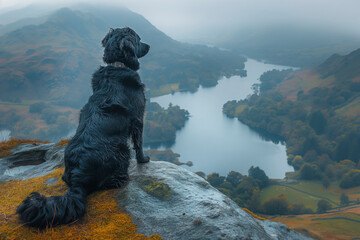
(210, 21)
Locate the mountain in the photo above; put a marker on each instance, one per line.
(32, 11)
(345, 68)
(21, 23)
(54, 60)
(297, 46)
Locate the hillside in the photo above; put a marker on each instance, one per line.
(316, 112)
(50, 62)
(54, 60)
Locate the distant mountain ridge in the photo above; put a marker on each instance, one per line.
(342, 67)
(54, 60)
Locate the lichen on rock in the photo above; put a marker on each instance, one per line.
(155, 188)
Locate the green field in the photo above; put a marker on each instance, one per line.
(292, 195)
(314, 192)
(164, 89)
(316, 188)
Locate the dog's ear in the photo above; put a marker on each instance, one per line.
(107, 37)
(128, 50)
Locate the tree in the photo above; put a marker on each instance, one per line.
(254, 203)
(277, 205)
(310, 172)
(310, 143)
(348, 148)
(226, 185)
(299, 208)
(323, 206)
(234, 178)
(318, 122)
(259, 175)
(297, 162)
(351, 179)
(344, 199)
(215, 179)
(310, 156)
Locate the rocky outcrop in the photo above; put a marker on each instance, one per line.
(164, 199)
(178, 204)
(31, 160)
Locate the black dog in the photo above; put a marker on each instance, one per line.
(97, 157)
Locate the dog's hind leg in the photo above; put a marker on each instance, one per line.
(136, 135)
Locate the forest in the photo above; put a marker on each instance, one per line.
(44, 121)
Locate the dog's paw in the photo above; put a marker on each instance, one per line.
(144, 159)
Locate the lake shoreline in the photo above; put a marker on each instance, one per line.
(209, 130)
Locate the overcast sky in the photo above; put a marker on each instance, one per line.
(183, 18)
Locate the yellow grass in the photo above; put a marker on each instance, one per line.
(103, 219)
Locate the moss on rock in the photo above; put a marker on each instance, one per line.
(156, 188)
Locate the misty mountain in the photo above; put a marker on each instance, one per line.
(21, 23)
(297, 46)
(50, 60)
(54, 60)
(342, 67)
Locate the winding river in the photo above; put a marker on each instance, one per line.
(215, 143)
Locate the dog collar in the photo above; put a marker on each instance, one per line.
(117, 64)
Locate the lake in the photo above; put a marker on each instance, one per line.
(215, 143)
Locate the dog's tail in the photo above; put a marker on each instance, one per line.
(41, 212)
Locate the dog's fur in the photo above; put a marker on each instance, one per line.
(97, 157)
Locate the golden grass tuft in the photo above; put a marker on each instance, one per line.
(5, 147)
(63, 142)
(253, 214)
(103, 219)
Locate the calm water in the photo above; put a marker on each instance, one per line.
(215, 143)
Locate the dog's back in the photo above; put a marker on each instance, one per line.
(106, 123)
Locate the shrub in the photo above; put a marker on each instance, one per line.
(259, 175)
(215, 179)
(351, 179)
(277, 205)
(310, 172)
(344, 199)
(323, 206)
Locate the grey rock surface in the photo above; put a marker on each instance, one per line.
(175, 203)
(31, 160)
(161, 198)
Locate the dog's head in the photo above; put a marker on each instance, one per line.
(123, 45)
